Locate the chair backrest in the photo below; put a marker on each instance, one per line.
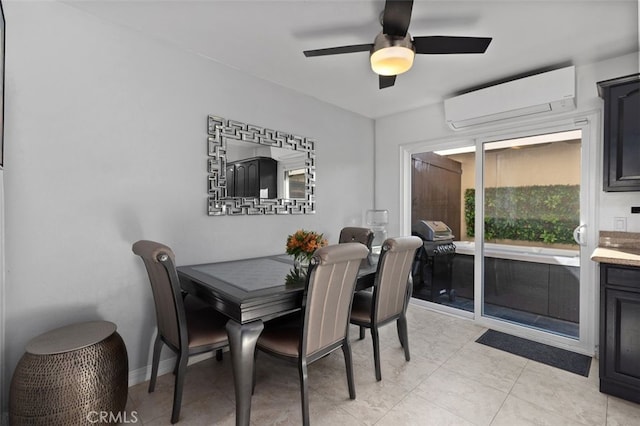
(352, 234)
(165, 285)
(392, 277)
(329, 293)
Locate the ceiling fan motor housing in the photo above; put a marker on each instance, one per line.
(392, 55)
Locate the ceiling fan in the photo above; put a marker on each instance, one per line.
(393, 49)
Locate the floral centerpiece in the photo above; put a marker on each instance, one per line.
(302, 244)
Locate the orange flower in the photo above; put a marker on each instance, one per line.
(304, 243)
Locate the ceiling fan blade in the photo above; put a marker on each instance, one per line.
(338, 50)
(387, 81)
(396, 17)
(446, 45)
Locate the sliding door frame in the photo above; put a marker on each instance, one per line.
(590, 124)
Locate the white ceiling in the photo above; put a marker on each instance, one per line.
(266, 38)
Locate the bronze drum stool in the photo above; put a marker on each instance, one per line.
(69, 376)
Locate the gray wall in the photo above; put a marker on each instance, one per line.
(106, 144)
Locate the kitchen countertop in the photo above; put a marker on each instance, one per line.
(619, 248)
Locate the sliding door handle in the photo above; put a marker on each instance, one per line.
(578, 235)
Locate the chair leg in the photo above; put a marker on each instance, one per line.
(219, 355)
(361, 333)
(179, 384)
(304, 391)
(376, 351)
(157, 348)
(346, 349)
(399, 333)
(255, 363)
(403, 334)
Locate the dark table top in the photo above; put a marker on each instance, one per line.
(250, 289)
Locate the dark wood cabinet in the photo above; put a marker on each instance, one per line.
(252, 178)
(621, 153)
(620, 331)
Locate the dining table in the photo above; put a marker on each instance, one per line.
(250, 292)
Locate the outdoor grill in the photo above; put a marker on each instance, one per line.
(433, 263)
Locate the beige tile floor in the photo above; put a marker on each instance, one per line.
(450, 380)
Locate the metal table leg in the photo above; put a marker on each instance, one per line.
(242, 345)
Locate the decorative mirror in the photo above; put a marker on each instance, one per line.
(253, 170)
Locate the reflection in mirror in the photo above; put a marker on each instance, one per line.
(253, 170)
(294, 183)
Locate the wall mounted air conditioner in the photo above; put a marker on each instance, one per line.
(551, 91)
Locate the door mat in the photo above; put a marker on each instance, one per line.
(555, 357)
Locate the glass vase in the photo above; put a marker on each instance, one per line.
(302, 260)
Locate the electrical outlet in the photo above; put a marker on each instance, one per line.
(620, 224)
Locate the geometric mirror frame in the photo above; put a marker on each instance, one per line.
(222, 133)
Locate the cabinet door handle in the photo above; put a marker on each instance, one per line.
(577, 234)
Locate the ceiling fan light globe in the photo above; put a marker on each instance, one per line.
(392, 60)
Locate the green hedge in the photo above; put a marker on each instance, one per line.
(546, 214)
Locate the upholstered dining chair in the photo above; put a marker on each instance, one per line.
(186, 328)
(323, 324)
(387, 302)
(351, 234)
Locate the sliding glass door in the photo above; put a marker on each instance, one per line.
(531, 208)
(517, 204)
(440, 180)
